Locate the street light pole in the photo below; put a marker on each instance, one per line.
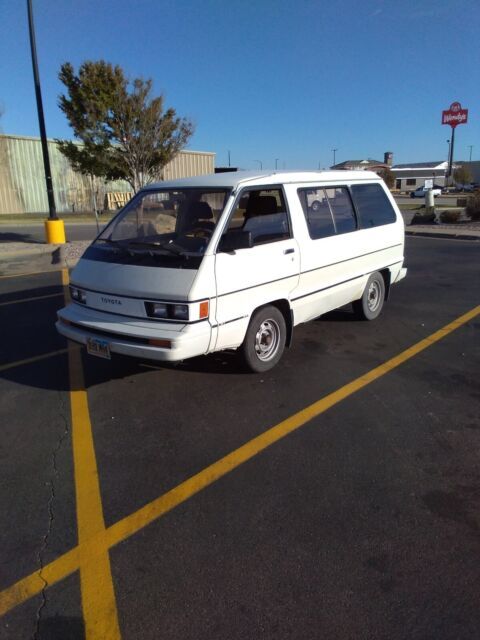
(470, 146)
(54, 228)
(260, 163)
(334, 155)
(276, 163)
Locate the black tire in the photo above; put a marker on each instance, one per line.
(315, 205)
(370, 304)
(265, 340)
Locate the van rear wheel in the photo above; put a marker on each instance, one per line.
(265, 340)
(370, 304)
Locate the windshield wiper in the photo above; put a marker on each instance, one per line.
(115, 243)
(168, 246)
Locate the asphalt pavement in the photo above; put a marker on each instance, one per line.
(362, 523)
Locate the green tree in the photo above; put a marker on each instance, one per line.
(126, 133)
(388, 177)
(462, 175)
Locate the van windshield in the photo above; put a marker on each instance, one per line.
(165, 224)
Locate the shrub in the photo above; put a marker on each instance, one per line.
(450, 215)
(473, 206)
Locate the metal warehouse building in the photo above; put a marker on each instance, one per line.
(22, 178)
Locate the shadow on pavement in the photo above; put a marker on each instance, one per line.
(339, 315)
(9, 236)
(32, 333)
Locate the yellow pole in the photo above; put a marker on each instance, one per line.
(54, 231)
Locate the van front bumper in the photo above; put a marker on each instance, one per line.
(131, 336)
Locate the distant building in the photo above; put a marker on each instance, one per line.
(412, 175)
(366, 164)
(474, 167)
(22, 178)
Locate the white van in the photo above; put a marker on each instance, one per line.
(234, 261)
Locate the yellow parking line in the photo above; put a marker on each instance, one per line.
(50, 295)
(43, 356)
(98, 596)
(123, 529)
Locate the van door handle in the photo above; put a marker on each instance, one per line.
(287, 251)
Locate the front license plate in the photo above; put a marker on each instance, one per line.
(99, 348)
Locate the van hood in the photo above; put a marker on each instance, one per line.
(137, 281)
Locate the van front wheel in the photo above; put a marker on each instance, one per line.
(265, 340)
(370, 304)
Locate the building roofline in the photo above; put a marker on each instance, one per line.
(54, 140)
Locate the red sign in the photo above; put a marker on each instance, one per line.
(455, 115)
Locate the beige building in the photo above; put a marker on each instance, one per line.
(22, 178)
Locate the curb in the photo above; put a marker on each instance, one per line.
(444, 236)
(41, 258)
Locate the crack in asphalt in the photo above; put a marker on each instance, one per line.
(51, 516)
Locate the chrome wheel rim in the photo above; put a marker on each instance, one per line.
(374, 293)
(267, 340)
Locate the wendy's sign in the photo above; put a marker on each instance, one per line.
(455, 115)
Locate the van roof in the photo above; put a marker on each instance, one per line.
(235, 178)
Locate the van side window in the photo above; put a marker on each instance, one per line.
(317, 213)
(328, 211)
(373, 206)
(342, 209)
(262, 212)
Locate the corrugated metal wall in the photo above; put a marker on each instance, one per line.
(22, 177)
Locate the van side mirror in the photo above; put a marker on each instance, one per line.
(235, 239)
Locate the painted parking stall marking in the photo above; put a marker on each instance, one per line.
(95, 541)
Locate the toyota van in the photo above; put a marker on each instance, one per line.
(234, 261)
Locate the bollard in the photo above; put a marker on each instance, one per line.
(429, 202)
(54, 232)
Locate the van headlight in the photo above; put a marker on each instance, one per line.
(180, 311)
(157, 309)
(78, 295)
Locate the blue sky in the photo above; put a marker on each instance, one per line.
(266, 79)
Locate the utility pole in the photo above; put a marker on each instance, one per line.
(229, 158)
(470, 146)
(276, 163)
(260, 163)
(54, 228)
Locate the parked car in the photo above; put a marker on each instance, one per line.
(464, 188)
(421, 191)
(242, 260)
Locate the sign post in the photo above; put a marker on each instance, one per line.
(453, 117)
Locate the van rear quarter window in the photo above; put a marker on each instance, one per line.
(328, 211)
(373, 206)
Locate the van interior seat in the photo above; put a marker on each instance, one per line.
(263, 219)
(200, 215)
